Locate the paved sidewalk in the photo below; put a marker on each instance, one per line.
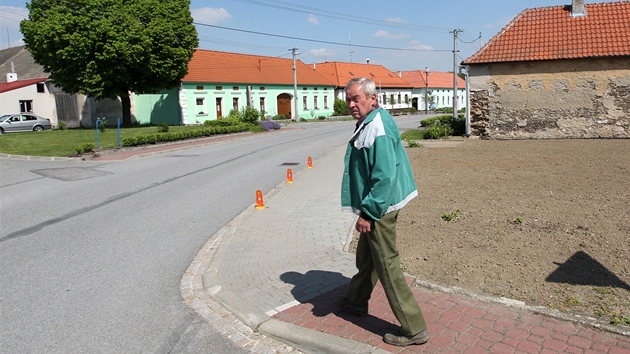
(277, 269)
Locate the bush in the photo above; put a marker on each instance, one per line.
(250, 115)
(87, 147)
(102, 124)
(341, 107)
(163, 128)
(438, 131)
(255, 128)
(234, 114)
(222, 122)
(268, 124)
(165, 137)
(62, 126)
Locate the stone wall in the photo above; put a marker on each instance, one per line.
(587, 98)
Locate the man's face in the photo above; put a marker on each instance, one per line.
(359, 105)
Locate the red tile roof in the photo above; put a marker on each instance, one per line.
(234, 68)
(9, 86)
(436, 79)
(341, 73)
(549, 33)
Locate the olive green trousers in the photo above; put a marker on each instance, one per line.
(377, 258)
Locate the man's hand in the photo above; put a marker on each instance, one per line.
(363, 225)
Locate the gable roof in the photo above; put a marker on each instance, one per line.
(9, 86)
(25, 66)
(549, 33)
(437, 79)
(341, 73)
(234, 68)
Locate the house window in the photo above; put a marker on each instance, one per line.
(26, 106)
(315, 89)
(304, 88)
(262, 89)
(199, 88)
(391, 99)
(407, 98)
(384, 99)
(201, 106)
(325, 101)
(40, 88)
(219, 88)
(315, 103)
(235, 102)
(262, 105)
(399, 101)
(235, 88)
(305, 102)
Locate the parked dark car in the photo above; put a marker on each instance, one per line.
(24, 122)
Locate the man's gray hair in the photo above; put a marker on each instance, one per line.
(369, 88)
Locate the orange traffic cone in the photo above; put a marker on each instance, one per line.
(259, 200)
(310, 162)
(289, 176)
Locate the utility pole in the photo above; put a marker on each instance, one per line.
(426, 90)
(296, 116)
(455, 32)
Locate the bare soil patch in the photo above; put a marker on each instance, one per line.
(546, 222)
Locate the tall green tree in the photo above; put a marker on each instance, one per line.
(110, 48)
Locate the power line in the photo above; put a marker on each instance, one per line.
(281, 5)
(320, 41)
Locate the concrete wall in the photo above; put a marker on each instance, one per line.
(160, 108)
(587, 98)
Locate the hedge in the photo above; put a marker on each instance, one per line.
(175, 136)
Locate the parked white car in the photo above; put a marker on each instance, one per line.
(23, 122)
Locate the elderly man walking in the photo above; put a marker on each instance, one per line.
(377, 183)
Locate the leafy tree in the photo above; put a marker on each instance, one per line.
(109, 48)
(341, 107)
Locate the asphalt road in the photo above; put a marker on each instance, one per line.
(92, 254)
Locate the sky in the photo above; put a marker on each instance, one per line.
(400, 35)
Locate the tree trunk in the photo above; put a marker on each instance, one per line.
(126, 110)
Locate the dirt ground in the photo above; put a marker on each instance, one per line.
(546, 222)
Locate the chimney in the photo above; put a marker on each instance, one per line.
(12, 76)
(577, 8)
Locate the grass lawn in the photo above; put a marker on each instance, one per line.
(63, 143)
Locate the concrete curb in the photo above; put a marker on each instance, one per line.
(314, 341)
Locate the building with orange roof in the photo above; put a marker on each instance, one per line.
(218, 82)
(436, 88)
(555, 72)
(393, 92)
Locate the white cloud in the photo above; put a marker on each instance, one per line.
(322, 52)
(209, 15)
(312, 19)
(416, 44)
(394, 20)
(386, 35)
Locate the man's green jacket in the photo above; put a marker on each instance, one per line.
(377, 178)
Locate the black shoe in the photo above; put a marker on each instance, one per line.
(403, 341)
(345, 304)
